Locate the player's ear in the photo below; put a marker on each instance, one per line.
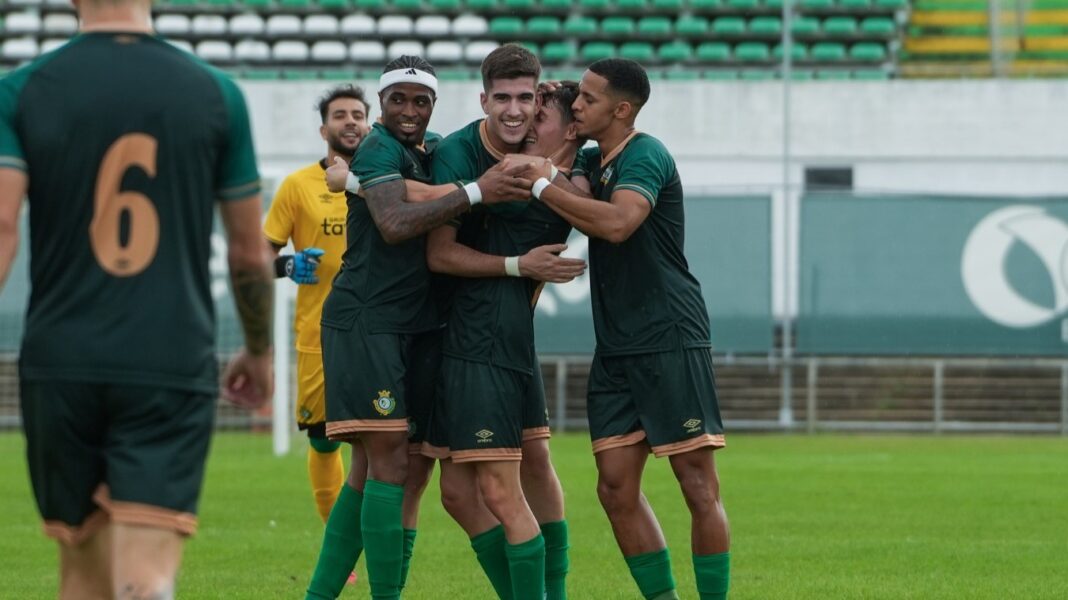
(322, 131)
(624, 110)
(483, 99)
(571, 133)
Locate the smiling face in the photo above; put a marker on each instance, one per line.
(509, 105)
(406, 111)
(346, 125)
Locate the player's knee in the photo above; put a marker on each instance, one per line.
(456, 493)
(617, 495)
(157, 588)
(700, 494)
(537, 467)
(497, 495)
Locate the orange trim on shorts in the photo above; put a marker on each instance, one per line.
(137, 513)
(439, 452)
(75, 535)
(701, 441)
(489, 454)
(345, 430)
(618, 441)
(537, 433)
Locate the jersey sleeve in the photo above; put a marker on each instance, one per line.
(278, 227)
(644, 168)
(11, 155)
(237, 176)
(452, 163)
(584, 160)
(378, 159)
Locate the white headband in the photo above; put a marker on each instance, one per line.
(407, 75)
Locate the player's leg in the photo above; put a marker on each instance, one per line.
(326, 470)
(135, 577)
(342, 538)
(621, 452)
(419, 470)
(499, 483)
(463, 501)
(85, 568)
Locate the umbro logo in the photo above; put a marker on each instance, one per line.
(484, 436)
(410, 72)
(692, 426)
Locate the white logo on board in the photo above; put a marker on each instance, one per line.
(984, 270)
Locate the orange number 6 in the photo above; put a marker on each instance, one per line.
(131, 150)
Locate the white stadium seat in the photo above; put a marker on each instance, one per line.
(321, 25)
(444, 52)
(52, 44)
(290, 51)
(182, 45)
(467, 25)
(476, 51)
(357, 25)
(395, 25)
(252, 51)
(329, 51)
(60, 23)
(402, 47)
(247, 24)
(209, 25)
(367, 52)
(19, 49)
(284, 25)
(432, 26)
(215, 51)
(25, 22)
(172, 24)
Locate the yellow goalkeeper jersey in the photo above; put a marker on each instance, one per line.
(305, 211)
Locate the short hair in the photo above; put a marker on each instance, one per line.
(625, 77)
(342, 91)
(408, 61)
(562, 98)
(510, 61)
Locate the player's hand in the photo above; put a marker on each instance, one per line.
(500, 184)
(544, 263)
(248, 381)
(301, 268)
(337, 174)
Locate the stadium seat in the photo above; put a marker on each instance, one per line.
(728, 26)
(797, 51)
(321, 25)
(518, 6)
(59, 23)
(675, 52)
(752, 52)
(433, 26)
(506, 27)
(403, 47)
(668, 6)
(329, 51)
(556, 6)
(247, 24)
(481, 6)
(617, 26)
(334, 5)
(805, 26)
(827, 52)
(279, 25)
(52, 44)
(656, 27)
(167, 25)
(357, 25)
(23, 48)
(840, 27)
(594, 6)
(558, 52)
(765, 26)
(367, 52)
(817, 5)
(446, 6)
(407, 6)
(877, 27)
(855, 6)
(215, 51)
(580, 27)
(294, 4)
(632, 6)
(773, 5)
(290, 51)
(256, 5)
(891, 4)
(639, 51)
(373, 6)
(713, 52)
(691, 26)
(597, 50)
(868, 52)
(743, 5)
(395, 25)
(252, 51)
(543, 26)
(475, 52)
(208, 25)
(444, 52)
(469, 26)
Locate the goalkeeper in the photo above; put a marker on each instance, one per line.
(306, 212)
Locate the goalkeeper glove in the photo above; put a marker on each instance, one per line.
(299, 267)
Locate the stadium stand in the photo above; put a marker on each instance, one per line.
(676, 39)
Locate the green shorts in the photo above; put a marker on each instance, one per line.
(424, 377)
(131, 454)
(667, 398)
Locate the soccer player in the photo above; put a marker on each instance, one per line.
(379, 305)
(651, 385)
(118, 372)
(493, 395)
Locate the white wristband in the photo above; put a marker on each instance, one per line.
(352, 183)
(553, 172)
(474, 193)
(511, 266)
(539, 186)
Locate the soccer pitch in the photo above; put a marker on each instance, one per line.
(811, 517)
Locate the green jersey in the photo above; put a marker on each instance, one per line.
(644, 297)
(492, 317)
(127, 142)
(388, 285)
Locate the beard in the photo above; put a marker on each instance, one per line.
(339, 147)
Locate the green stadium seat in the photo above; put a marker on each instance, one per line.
(594, 5)
(855, 6)
(805, 26)
(407, 6)
(713, 52)
(752, 52)
(543, 26)
(757, 75)
(291, 4)
(691, 26)
(534, 48)
(877, 26)
(580, 27)
(368, 5)
(816, 4)
(222, 3)
(871, 74)
(597, 50)
(677, 51)
(521, 6)
(667, 6)
(827, 52)
(183, 2)
(446, 6)
(729, 26)
(840, 27)
(558, 52)
(745, 5)
(556, 6)
(654, 27)
(508, 27)
(681, 75)
(868, 52)
(892, 4)
(639, 51)
(720, 75)
(617, 26)
(334, 5)
(631, 6)
(798, 51)
(479, 7)
(765, 26)
(775, 5)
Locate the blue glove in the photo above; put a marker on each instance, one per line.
(301, 266)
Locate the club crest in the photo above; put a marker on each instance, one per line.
(384, 403)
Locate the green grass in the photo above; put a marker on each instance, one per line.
(811, 517)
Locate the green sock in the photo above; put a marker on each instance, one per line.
(556, 561)
(713, 572)
(342, 544)
(526, 563)
(383, 537)
(489, 549)
(652, 573)
(409, 548)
